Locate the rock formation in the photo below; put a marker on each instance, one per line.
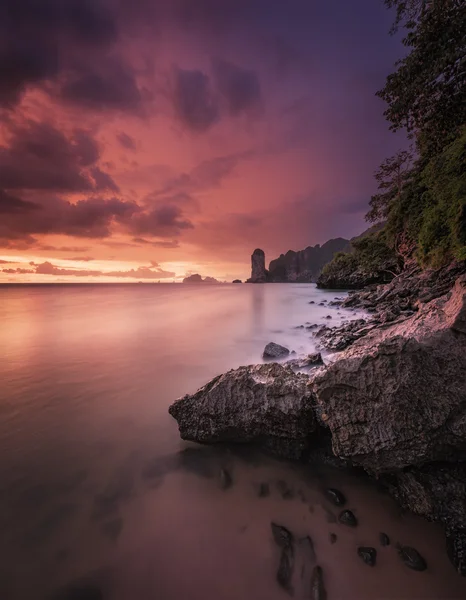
(258, 271)
(305, 266)
(266, 404)
(394, 403)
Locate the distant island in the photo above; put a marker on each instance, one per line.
(196, 278)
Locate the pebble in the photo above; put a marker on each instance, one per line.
(384, 539)
(368, 555)
(348, 518)
(412, 558)
(335, 496)
(318, 591)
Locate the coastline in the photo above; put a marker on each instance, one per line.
(377, 404)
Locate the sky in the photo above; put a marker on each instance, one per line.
(144, 140)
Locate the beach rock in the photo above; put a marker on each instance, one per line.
(335, 496)
(318, 591)
(368, 555)
(347, 517)
(225, 478)
(285, 541)
(395, 398)
(274, 351)
(281, 535)
(308, 362)
(267, 404)
(384, 539)
(412, 558)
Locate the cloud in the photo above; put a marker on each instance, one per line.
(6, 262)
(18, 271)
(151, 272)
(126, 141)
(40, 39)
(193, 100)
(158, 244)
(166, 220)
(48, 248)
(79, 259)
(40, 157)
(108, 85)
(239, 87)
(13, 205)
(90, 218)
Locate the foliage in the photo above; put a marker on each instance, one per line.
(426, 94)
(392, 176)
(442, 233)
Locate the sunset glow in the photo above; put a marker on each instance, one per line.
(145, 141)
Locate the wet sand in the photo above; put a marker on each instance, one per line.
(182, 530)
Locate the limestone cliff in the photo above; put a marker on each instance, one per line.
(306, 265)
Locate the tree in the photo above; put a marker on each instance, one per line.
(392, 176)
(427, 93)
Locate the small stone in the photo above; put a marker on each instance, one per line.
(285, 569)
(226, 480)
(333, 538)
(272, 351)
(328, 317)
(347, 517)
(312, 302)
(384, 539)
(264, 490)
(368, 555)
(282, 536)
(412, 558)
(286, 492)
(335, 496)
(318, 591)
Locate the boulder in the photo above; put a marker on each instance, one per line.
(273, 351)
(396, 398)
(267, 404)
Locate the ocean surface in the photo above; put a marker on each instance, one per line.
(99, 494)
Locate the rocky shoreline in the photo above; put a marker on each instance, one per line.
(392, 401)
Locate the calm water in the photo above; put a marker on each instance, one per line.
(95, 484)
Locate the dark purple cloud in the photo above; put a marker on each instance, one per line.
(193, 100)
(40, 38)
(157, 244)
(11, 205)
(38, 156)
(239, 87)
(166, 220)
(108, 85)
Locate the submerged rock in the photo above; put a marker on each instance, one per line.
(273, 351)
(335, 496)
(265, 404)
(285, 541)
(384, 539)
(347, 517)
(368, 555)
(412, 558)
(282, 536)
(318, 591)
(225, 478)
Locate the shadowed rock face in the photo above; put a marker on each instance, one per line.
(396, 398)
(265, 404)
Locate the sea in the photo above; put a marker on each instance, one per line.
(99, 496)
